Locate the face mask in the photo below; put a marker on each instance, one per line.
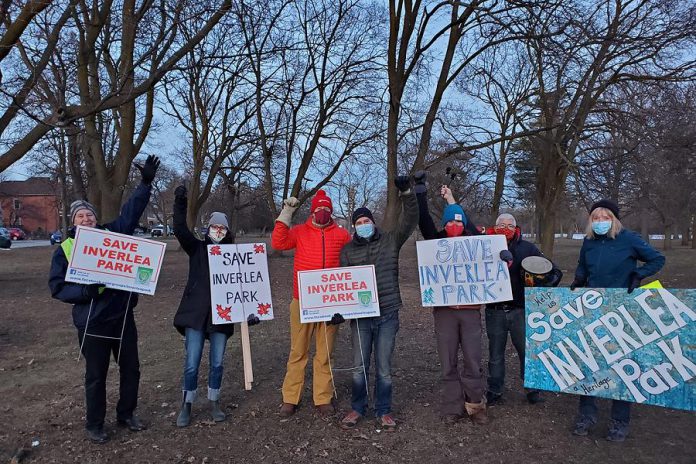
(216, 235)
(601, 227)
(508, 233)
(365, 230)
(322, 217)
(454, 229)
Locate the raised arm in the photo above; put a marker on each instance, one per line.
(409, 215)
(282, 237)
(183, 234)
(136, 204)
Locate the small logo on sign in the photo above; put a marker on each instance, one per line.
(73, 271)
(143, 275)
(365, 298)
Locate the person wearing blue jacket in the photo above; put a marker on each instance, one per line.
(608, 259)
(106, 329)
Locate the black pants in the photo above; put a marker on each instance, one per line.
(97, 352)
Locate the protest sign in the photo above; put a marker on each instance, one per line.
(239, 283)
(638, 347)
(118, 261)
(348, 291)
(463, 271)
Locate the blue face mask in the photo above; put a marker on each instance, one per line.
(365, 230)
(601, 227)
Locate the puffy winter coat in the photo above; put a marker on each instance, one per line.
(315, 247)
(110, 305)
(195, 308)
(608, 263)
(382, 250)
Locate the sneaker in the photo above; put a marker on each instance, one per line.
(350, 420)
(618, 431)
(386, 423)
(326, 410)
(451, 419)
(583, 425)
(287, 409)
(493, 398)
(534, 397)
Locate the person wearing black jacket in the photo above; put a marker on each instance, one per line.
(509, 316)
(104, 317)
(193, 317)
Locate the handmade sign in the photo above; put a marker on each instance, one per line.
(638, 347)
(348, 291)
(118, 261)
(463, 271)
(239, 283)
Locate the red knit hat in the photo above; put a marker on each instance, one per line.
(320, 199)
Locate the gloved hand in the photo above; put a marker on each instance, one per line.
(253, 319)
(94, 290)
(635, 282)
(419, 178)
(149, 169)
(290, 205)
(336, 319)
(180, 194)
(506, 256)
(577, 283)
(403, 183)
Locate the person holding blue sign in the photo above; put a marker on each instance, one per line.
(370, 245)
(193, 317)
(463, 390)
(104, 317)
(608, 259)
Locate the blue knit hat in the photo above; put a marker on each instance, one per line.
(453, 213)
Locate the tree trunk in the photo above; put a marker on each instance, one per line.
(667, 245)
(693, 232)
(644, 211)
(685, 229)
(550, 182)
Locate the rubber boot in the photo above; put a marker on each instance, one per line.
(477, 412)
(217, 413)
(184, 417)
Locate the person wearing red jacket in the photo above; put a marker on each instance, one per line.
(317, 244)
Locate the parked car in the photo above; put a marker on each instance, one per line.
(5, 241)
(157, 231)
(17, 234)
(56, 237)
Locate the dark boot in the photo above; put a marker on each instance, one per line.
(217, 413)
(287, 410)
(534, 397)
(97, 436)
(184, 417)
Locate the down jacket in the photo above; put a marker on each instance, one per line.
(382, 250)
(195, 308)
(315, 247)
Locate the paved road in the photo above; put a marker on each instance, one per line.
(29, 243)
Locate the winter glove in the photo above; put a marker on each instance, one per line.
(419, 178)
(635, 282)
(506, 256)
(149, 169)
(290, 205)
(92, 291)
(403, 183)
(253, 319)
(180, 194)
(577, 283)
(336, 319)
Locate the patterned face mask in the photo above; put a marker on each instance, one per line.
(217, 233)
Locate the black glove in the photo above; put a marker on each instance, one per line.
(635, 282)
(420, 186)
(180, 192)
(577, 283)
(506, 256)
(94, 290)
(336, 319)
(403, 183)
(149, 169)
(253, 319)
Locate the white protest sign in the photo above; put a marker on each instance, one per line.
(239, 283)
(463, 271)
(118, 261)
(348, 291)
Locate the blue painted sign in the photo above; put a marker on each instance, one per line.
(604, 342)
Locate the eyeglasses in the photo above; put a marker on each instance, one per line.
(504, 226)
(218, 228)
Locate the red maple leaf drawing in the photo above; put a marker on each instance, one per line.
(224, 313)
(259, 248)
(215, 250)
(263, 309)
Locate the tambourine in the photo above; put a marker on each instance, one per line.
(535, 271)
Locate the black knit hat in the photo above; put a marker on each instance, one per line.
(362, 212)
(611, 205)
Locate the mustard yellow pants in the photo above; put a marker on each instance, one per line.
(300, 339)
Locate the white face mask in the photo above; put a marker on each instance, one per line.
(217, 233)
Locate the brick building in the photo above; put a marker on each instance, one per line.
(31, 204)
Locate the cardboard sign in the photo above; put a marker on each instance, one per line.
(118, 261)
(638, 347)
(239, 283)
(348, 291)
(463, 271)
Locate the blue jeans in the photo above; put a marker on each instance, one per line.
(194, 350)
(620, 410)
(498, 323)
(379, 332)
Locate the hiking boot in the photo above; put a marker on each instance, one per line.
(287, 410)
(326, 410)
(350, 420)
(451, 419)
(184, 417)
(97, 436)
(583, 425)
(534, 397)
(618, 431)
(493, 398)
(477, 412)
(216, 412)
(133, 423)
(386, 423)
